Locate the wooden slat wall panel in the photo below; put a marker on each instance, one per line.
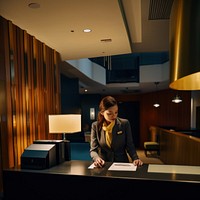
(32, 90)
(10, 71)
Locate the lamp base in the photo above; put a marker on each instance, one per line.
(67, 150)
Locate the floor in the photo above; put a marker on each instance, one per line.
(152, 158)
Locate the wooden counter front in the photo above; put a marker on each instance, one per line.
(178, 148)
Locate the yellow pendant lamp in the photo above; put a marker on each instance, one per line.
(185, 45)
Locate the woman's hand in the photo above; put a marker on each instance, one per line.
(99, 162)
(138, 162)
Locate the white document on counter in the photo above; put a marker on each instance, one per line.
(92, 166)
(117, 166)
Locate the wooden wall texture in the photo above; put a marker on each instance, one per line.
(29, 91)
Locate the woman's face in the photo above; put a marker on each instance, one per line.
(111, 113)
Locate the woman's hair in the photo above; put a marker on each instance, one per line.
(105, 104)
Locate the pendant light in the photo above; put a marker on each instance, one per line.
(156, 104)
(185, 45)
(177, 99)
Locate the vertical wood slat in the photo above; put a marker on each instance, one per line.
(5, 130)
(26, 89)
(20, 73)
(28, 40)
(10, 100)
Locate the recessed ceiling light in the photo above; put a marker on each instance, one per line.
(87, 30)
(34, 5)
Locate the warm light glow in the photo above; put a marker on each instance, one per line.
(66, 123)
(156, 105)
(92, 113)
(87, 30)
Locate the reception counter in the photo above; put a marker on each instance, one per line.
(73, 180)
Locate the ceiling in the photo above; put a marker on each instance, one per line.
(118, 27)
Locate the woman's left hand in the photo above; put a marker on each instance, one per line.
(138, 162)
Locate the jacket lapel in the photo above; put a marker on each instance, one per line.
(116, 129)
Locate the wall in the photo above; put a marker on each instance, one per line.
(167, 115)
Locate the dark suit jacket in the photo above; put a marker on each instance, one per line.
(122, 143)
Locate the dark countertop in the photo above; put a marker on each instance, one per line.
(77, 167)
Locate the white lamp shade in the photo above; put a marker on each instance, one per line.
(65, 123)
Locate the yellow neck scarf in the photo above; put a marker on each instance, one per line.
(108, 130)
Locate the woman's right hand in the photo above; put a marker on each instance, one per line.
(99, 162)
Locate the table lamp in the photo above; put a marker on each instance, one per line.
(64, 123)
